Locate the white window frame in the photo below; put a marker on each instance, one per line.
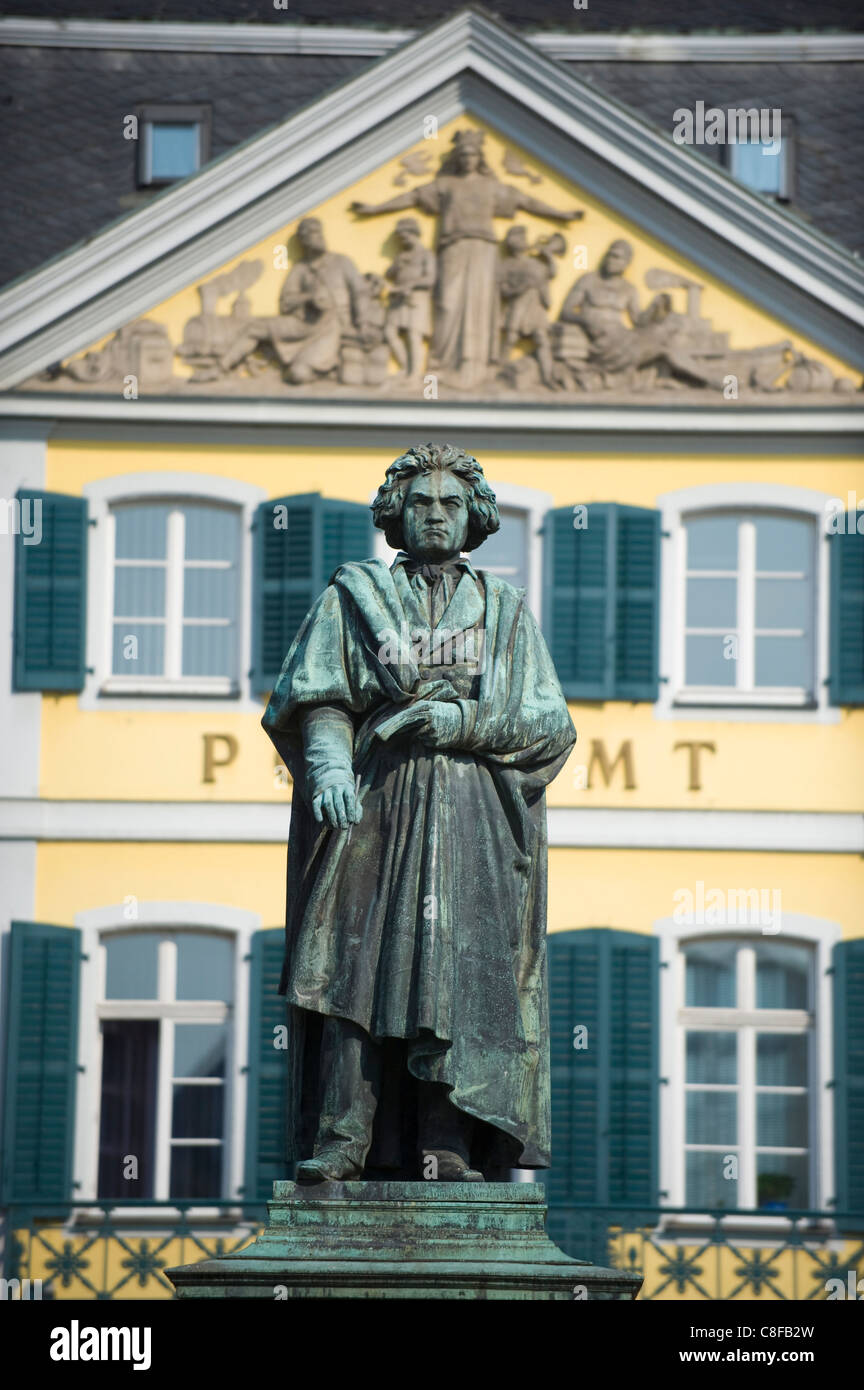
(785, 159)
(102, 688)
(675, 700)
(100, 924)
(535, 504)
(148, 116)
(821, 936)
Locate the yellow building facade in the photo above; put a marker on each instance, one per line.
(694, 553)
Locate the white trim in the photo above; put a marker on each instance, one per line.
(466, 61)
(239, 924)
(820, 933)
(101, 687)
(535, 503)
(622, 418)
(267, 823)
(674, 701)
(344, 41)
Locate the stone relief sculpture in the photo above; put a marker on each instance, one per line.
(465, 197)
(409, 310)
(471, 316)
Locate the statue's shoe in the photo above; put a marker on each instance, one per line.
(450, 1167)
(331, 1165)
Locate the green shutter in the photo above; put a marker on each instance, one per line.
(50, 596)
(602, 601)
(846, 676)
(41, 1063)
(849, 1078)
(266, 1096)
(299, 542)
(604, 1095)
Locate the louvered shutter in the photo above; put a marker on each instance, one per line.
(846, 557)
(50, 594)
(299, 542)
(848, 965)
(41, 1063)
(602, 598)
(267, 1076)
(605, 1094)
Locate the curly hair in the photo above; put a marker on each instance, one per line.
(483, 518)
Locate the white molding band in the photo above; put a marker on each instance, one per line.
(267, 822)
(342, 41)
(729, 419)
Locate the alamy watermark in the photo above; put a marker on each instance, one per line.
(719, 907)
(21, 516)
(735, 126)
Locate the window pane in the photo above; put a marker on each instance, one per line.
(132, 966)
(208, 593)
(128, 1110)
(757, 168)
(140, 531)
(197, 1112)
(781, 1059)
(783, 661)
(782, 976)
(710, 979)
(199, 1049)
(712, 543)
(782, 602)
(782, 543)
(781, 1121)
(196, 1172)
(506, 552)
(212, 533)
(174, 150)
(706, 663)
(139, 592)
(782, 1180)
(706, 1185)
(712, 1117)
(205, 967)
(711, 602)
(208, 651)
(712, 1058)
(139, 649)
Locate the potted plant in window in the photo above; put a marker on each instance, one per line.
(773, 1190)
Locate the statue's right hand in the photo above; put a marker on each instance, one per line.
(338, 806)
(361, 209)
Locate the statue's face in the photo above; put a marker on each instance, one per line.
(468, 159)
(616, 260)
(311, 237)
(435, 516)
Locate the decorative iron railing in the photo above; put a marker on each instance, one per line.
(111, 1250)
(683, 1254)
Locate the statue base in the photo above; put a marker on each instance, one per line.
(404, 1240)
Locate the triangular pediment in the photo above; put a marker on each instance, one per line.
(487, 289)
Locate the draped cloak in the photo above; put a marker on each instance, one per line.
(426, 921)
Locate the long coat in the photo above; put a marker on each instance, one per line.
(426, 921)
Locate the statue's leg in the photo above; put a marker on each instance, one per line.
(350, 1079)
(445, 1136)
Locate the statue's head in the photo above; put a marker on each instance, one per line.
(618, 257)
(516, 241)
(408, 230)
(310, 234)
(435, 502)
(466, 155)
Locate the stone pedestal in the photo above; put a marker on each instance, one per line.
(404, 1240)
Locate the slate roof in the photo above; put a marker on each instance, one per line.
(67, 172)
(600, 16)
